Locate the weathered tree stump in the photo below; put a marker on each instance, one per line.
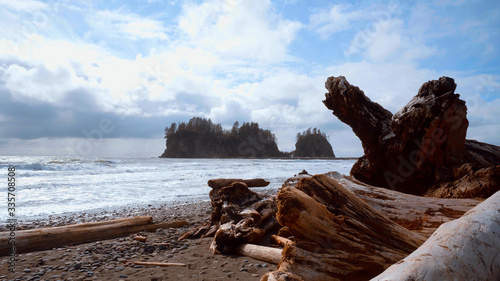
(421, 149)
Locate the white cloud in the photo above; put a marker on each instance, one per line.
(231, 60)
(245, 29)
(389, 40)
(337, 18)
(29, 6)
(133, 26)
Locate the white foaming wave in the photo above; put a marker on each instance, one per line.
(49, 185)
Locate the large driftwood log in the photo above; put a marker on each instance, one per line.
(239, 215)
(47, 238)
(419, 214)
(465, 249)
(338, 236)
(422, 148)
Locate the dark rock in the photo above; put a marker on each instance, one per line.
(422, 148)
(200, 138)
(313, 143)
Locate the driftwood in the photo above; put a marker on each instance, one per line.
(239, 215)
(422, 148)
(53, 237)
(209, 228)
(164, 264)
(140, 238)
(419, 214)
(338, 236)
(465, 249)
(263, 253)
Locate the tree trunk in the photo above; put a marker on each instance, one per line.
(464, 249)
(47, 238)
(419, 214)
(338, 236)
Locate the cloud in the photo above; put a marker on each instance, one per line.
(330, 21)
(246, 30)
(144, 68)
(388, 40)
(29, 6)
(116, 23)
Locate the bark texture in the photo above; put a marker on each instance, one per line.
(416, 213)
(421, 149)
(465, 249)
(337, 235)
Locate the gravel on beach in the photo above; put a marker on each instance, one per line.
(113, 259)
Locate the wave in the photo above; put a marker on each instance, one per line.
(69, 164)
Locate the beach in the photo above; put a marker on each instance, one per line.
(58, 191)
(113, 259)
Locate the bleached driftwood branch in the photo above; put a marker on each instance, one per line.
(461, 250)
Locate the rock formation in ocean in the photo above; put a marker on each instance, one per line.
(422, 148)
(200, 138)
(313, 143)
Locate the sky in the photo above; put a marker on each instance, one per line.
(104, 78)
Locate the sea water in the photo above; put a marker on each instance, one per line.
(55, 185)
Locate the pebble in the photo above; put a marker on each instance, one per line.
(93, 261)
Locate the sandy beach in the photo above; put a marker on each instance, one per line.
(113, 259)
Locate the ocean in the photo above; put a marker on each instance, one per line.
(56, 185)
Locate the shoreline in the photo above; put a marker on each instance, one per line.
(160, 212)
(112, 259)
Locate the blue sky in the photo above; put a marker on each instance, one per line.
(106, 77)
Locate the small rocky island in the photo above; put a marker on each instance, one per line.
(313, 143)
(201, 138)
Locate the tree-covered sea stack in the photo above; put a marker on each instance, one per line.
(313, 143)
(201, 138)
